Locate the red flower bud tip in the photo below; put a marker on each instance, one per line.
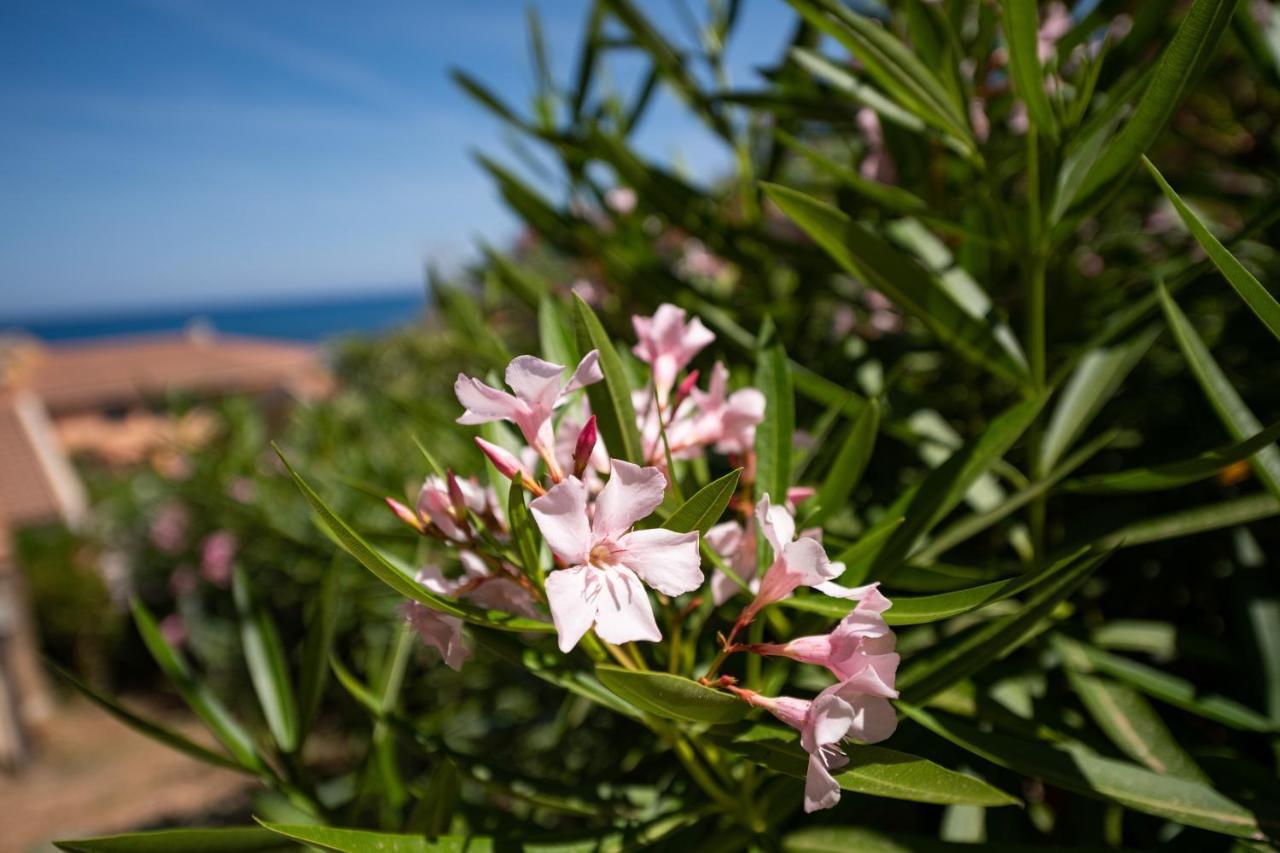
(405, 514)
(586, 444)
(456, 497)
(504, 460)
(685, 387)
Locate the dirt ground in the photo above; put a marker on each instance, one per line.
(92, 775)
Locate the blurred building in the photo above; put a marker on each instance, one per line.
(111, 399)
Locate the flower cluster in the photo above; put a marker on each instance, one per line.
(596, 515)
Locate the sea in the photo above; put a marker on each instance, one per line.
(309, 319)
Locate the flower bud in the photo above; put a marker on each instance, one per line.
(586, 444)
(685, 388)
(456, 497)
(405, 514)
(509, 466)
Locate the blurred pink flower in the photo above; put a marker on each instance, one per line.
(437, 630)
(726, 420)
(621, 200)
(877, 165)
(1056, 24)
(183, 581)
(168, 531)
(242, 489)
(216, 555)
(174, 629)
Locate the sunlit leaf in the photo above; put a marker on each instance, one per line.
(671, 696)
(267, 668)
(610, 398)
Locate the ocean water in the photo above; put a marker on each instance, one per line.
(304, 319)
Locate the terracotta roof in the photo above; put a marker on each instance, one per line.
(122, 371)
(37, 482)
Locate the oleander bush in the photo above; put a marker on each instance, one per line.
(909, 488)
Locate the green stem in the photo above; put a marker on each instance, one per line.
(1037, 259)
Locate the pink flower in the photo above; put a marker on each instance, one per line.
(168, 530)
(183, 581)
(538, 390)
(877, 165)
(606, 563)
(667, 344)
(216, 553)
(727, 421)
(436, 505)
(438, 630)
(737, 545)
(174, 629)
(796, 562)
(857, 708)
(495, 592)
(1056, 24)
(861, 640)
(621, 200)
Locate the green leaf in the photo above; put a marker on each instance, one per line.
(846, 471)
(611, 398)
(523, 534)
(1021, 26)
(1196, 39)
(912, 286)
(559, 345)
(1079, 769)
(947, 484)
(871, 770)
(1250, 289)
(672, 697)
(151, 729)
(196, 693)
(1170, 475)
(322, 627)
(916, 610)
(945, 664)
(1224, 398)
(400, 581)
(705, 507)
(1133, 725)
(1189, 522)
(847, 839)
(267, 668)
(1161, 685)
(433, 813)
(364, 841)
(1095, 381)
(892, 64)
(1264, 616)
(231, 839)
(776, 433)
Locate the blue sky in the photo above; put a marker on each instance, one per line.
(158, 153)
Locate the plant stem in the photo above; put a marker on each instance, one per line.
(1037, 259)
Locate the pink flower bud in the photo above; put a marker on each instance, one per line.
(405, 514)
(683, 390)
(586, 444)
(504, 460)
(456, 497)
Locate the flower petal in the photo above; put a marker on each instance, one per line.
(588, 372)
(776, 523)
(631, 494)
(441, 632)
(874, 719)
(807, 562)
(572, 607)
(561, 515)
(484, 403)
(821, 791)
(829, 719)
(623, 611)
(535, 381)
(665, 560)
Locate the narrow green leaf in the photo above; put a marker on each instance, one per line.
(913, 287)
(356, 689)
(230, 839)
(196, 693)
(892, 64)
(1189, 522)
(776, 433)
(918, 609)
(1161, 685)
(153, 730)
(1264, 616)
(523, 534)
(611, 398)
(267, 668)
(433, 813)
(1170, 475)
(364, 841)
(947, 484)
(1134, 726)
(1094, 382)
(1021, 26)
(1250, 289)
(846, 839)
(846, 471)
(322, 627)
(705, 507)
(672, 697)
(870, 542)
(400, 581)
(1078, 769)
(559, 346)
(945, 664)
(871, 770)
(1224, 398)
(1196, 39)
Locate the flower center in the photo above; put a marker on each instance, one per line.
(602, 556)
